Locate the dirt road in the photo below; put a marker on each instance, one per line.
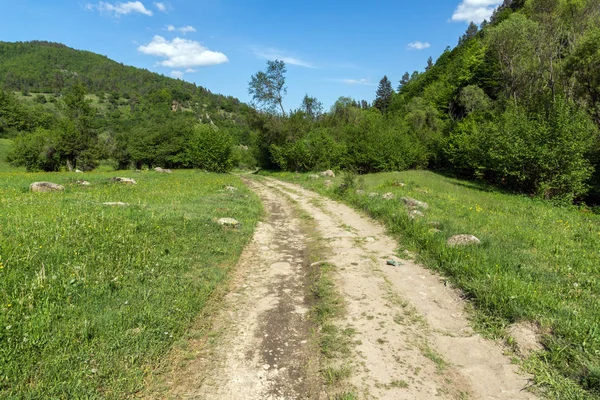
(411, 339)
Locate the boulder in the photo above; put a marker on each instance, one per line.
(463, 240)
(45, 187)
(83, 183)
(412, 203)
(313, 176)
(77, 171)
(327, 183)
(388, 196)
(115, 203)
(128, 181)
(162, 170)
(230, 188)
(229, 222)
(328, 173)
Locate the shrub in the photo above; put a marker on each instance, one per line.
(209, 149)
(35, 151)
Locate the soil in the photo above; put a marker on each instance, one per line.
(412, 336)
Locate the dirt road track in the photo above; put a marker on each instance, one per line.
(412, 340)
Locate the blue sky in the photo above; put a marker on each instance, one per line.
(331, 48)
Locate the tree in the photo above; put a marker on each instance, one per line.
(472, 30)
(405, 79)
(429, 64)
(77, 136)
(268, 87)
(312, 107)
(384, 95)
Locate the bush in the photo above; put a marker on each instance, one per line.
(35, 151)
(209, 149)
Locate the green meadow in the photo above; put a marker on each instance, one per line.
(93, 296)
(537, 262)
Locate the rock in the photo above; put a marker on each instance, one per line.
(328, 183)
(83, 183)
(412, 214)
(410, 202)
(128, 181)
(370, 239)
(328, 173)
(229, 222)
(77, 171)
(434, 224)
(360, 192)
(314, 176)
(399, 184)
(163, 170)
(373, 194)
(463, 240)
(421, 190)
(115, 203)
(526, 336)
(392, 263)
(42, 187)
(230, 188)
(388, 196)
(434, 230)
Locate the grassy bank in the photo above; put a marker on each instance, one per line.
(537, 262)
(92, 296)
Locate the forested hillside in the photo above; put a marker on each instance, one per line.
(75, 108)
(515, 103)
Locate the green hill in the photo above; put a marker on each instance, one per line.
(46, 67)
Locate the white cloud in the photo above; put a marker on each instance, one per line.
(274, 54)
(183, 29)
(121, 8)
(418, 45)
(190, 71)
(475, 10)
(177, 74)
(182, 53)
(160, 6)
(361, 81)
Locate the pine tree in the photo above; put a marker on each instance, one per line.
(384, 95)
(429, 64)
(405, 79)
(469, 34)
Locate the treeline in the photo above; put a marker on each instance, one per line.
(516, 103)
(156, 131)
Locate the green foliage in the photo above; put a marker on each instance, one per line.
(268, 87)
(316, 150)
(35, 151)
(209, 149)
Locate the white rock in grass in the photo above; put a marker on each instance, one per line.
(128, 181)
(373, 194)
(162, 170)
(388, 196)
(463, 240)
(45, 187)
(83, 183)
(313, 176)
(77, 171)
(412, 214)
(229, 222)
(328, 173)
(410, 202)
(360, 192)
(328, 183)
(230, 188)
(115, 203)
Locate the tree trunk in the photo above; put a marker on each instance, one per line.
(282, 110)
(71, 163)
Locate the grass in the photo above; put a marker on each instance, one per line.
(537, 262)
(92, 296)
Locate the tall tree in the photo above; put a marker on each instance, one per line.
(429, 64)
(405, 79)
(472, 30)
(383, 95)
(268, 88)
(77, 134)
(312, 107)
